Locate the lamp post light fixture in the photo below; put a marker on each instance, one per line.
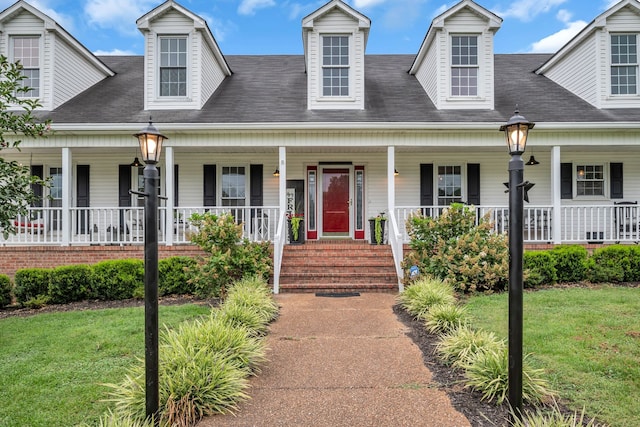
(516, 131)
(151, 146)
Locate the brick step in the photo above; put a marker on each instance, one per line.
(339, 287)
(348, 269)
(338, 266)
(303, 263)
(333, 277)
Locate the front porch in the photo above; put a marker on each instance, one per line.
(611, 223)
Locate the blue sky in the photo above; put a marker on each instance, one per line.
(274, 26)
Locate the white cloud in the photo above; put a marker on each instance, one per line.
(218, 27)
(65, 21)
(609, 3)
(120, 15)
(114, 52)
(527, 10)
(555, 41)
(249, 7)
(366, 3)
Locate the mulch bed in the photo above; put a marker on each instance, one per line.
(480, 413)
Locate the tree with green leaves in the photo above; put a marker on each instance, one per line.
(16, 121)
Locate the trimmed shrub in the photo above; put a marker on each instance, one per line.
(488, 373)
(425, 293)
(69, 283)
(570, 263)
(5, 290)
(610, 264)
(539, 269)
(31, 283)
(117, 279)
(173, 275)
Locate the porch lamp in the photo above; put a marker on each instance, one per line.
(151, 146)
(516, 131)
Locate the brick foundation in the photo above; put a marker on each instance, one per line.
(14, 258)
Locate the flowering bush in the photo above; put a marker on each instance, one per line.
(453, 248)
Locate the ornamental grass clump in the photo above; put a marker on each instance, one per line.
(460, 345)
(219, 337)
(253, 294)
(442, 318)
(488, 373)
(553, 417)
(425, 293)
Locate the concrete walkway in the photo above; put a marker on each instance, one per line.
(341, 362)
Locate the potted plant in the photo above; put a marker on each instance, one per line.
(376, 226)
(296, 229)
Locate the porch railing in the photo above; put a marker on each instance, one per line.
(396, 242)
(537, 220)
(125, 225)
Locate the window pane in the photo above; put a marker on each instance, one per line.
(233, 186)
(335, 61)
(464, 65)
(173, 66)
(590, 180)
(449, 185)
(27, 51)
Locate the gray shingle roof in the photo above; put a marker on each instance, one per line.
(272, 89)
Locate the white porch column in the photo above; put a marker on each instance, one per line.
(170, 192)
(282, 167)
(66, 195)
(556, 200)
(391, 187)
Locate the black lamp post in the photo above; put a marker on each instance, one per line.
(151, 145)
(516, 131)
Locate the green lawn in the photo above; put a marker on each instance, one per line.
(53, 366)
(588, 340)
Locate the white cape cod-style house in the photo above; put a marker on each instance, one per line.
(335, 134)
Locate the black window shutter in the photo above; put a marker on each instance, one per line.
(124, 185)
(82, 186)
(566, 180)
(37, 170)
(175, 185)
(473, 183)
(209, 185)
(616, 176)
(255, 185)
(426, 184)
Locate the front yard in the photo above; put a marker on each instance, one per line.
(53, 366)
(587, 340)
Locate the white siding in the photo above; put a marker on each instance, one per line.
(336, 22)
(72, 73)
(578, 72)
(204, 72)
(429, 72)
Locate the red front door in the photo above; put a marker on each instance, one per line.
(335, 201)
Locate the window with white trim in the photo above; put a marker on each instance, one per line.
(335, 66)
(590, 180)
(234, 185)
(624, 64)
(173, 66)
(449, 185)
(464, 66)
(26, 49)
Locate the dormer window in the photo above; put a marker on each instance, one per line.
(27, 51)
(335, 66)
(173, 66)
(624, 64)
(464, 66)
